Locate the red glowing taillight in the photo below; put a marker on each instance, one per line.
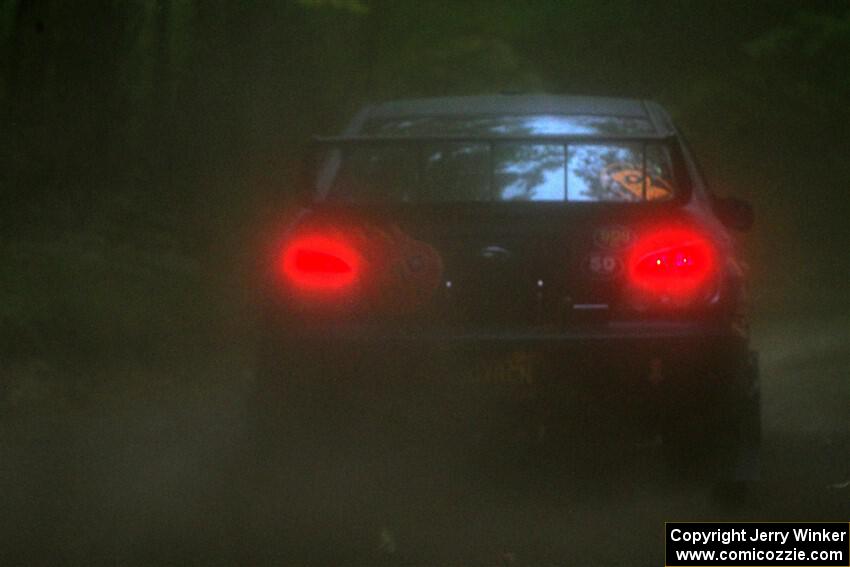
(321, 263)
(673, 263)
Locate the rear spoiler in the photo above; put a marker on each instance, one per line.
(491, 141)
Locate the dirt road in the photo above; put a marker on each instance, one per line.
(152, 470)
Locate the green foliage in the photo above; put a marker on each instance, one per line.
(352, 6)
(190, 115)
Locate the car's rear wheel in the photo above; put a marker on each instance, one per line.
(299, 403)
(716, 437)
(348, 402)
(316, 452)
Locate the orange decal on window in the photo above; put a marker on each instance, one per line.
(630, 178)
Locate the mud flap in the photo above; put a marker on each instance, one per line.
(746, 465)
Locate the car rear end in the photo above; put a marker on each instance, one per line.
(562, 268)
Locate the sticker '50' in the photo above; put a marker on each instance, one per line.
(603, 265)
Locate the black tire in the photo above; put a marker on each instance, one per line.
(304, 462)
(348, 403)
(294, 405)
(718, 438)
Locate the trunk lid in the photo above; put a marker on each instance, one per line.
(514, 264)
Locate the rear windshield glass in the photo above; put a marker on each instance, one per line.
(503, 170)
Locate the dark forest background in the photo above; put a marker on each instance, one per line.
(142, 140)
(144, 144)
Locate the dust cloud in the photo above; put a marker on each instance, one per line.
(165, 474)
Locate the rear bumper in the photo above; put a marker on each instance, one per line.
(616, 379)
(614, 334)
(685, 359)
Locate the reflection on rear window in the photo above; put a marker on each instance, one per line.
(519, 124)
(526, 172)
(614, 172)
(503, 170)
(516, 172)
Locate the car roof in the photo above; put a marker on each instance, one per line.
(495, 104)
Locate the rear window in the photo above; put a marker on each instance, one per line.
(503, 170)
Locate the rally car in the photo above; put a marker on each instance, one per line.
(559, 254)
